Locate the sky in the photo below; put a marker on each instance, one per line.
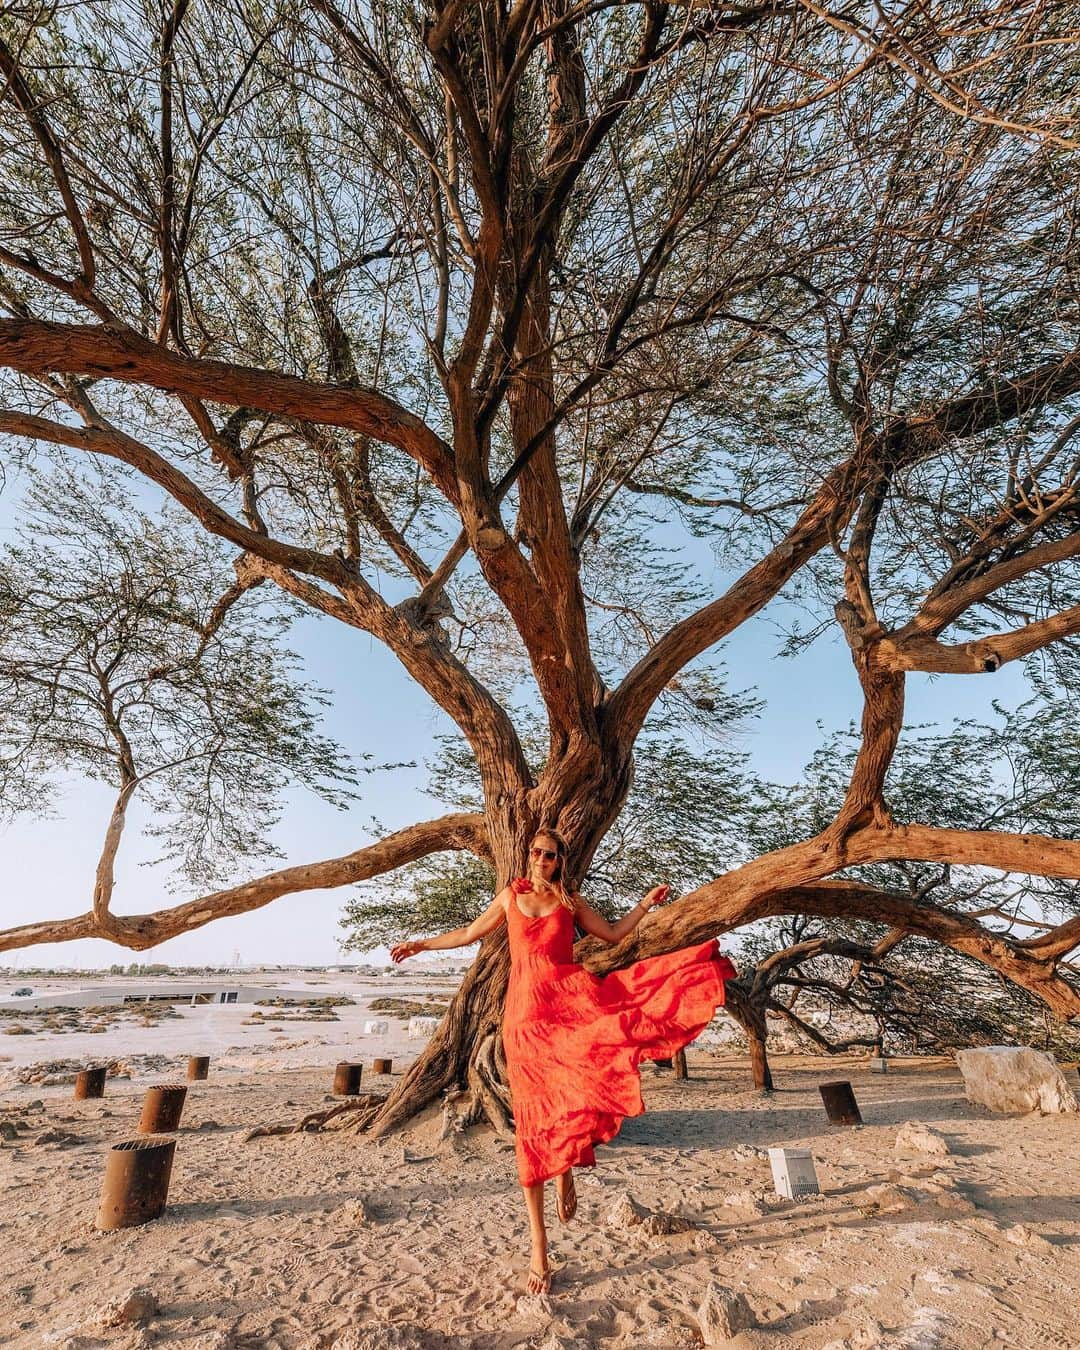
(47, 864)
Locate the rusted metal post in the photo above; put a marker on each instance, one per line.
(90, 1083)
(136, 1184)
(680, 1064)
(347, 1079)
(198, 1067)
(840, 1104)
(381, 1065)
(162, 1108)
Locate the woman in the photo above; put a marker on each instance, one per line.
(573, 1041)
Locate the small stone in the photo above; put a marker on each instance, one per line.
(61, 1138)
(396, 1337)
(746, 1202)
(663, 1225)
(915, 1137)
(356, 1214)
(8, 1130)
(630, 1213)
(1020, 1235)
(887, 1198)
(134, 1307)
(723, 1314)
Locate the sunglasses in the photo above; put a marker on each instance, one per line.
(546, 853)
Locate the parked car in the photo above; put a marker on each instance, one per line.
(22, 993)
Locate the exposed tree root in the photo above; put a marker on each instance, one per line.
(360, 1110)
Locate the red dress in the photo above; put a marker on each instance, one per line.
(574, 1040)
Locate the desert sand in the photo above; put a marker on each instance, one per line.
(312, 1241)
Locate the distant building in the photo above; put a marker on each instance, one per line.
(196, 995)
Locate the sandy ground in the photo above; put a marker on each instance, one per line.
(321, 1240)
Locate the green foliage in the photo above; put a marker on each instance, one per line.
(115, 666)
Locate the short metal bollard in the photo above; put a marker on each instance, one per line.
(162, 1107)
(840, 1104)
(878, 1064)
(136, 1184)
(381, 1065)
(347, 1079)
(198, 1068)
(90, 1083)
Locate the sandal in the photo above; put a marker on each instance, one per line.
(568, 1208)
(543, 1278)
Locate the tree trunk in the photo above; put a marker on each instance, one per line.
(472, 1022)
(750, 1015)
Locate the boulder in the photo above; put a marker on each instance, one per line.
(915, 1137)
(723, 1314)
(1013, 1078)
(376, 1028)
(421, 1028)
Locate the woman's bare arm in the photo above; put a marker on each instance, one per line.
(487, 922)
(596, 925)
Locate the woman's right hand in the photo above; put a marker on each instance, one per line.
(406, 949)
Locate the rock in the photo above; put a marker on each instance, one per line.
(389, 1337)
(376, 1028)
(915, 1137)
(61, 1138)
(723, 1314)
(1020, 1235)
(886, 1199)
(135, 1307)
(356, 1214)
(1014, 1078)
(8, 1130)
(746, 1202)
(421, 1028)
(629, 1213)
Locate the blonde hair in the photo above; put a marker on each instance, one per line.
(565, 898)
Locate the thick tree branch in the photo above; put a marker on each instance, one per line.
(980, 655)
(792, 881)
(35, 346)
(463, 831)
(907, 440)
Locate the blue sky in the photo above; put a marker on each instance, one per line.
(47, 865)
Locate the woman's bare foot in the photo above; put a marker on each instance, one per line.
(539, 1281)
(565, 1196)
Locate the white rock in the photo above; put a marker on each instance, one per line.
(915, 1137)
(1014, 1078)
(420, 1028)
(723, 1314)
(376, 1028)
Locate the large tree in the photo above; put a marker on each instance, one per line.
(458, 320)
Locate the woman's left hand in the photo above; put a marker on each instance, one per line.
(656, 896)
